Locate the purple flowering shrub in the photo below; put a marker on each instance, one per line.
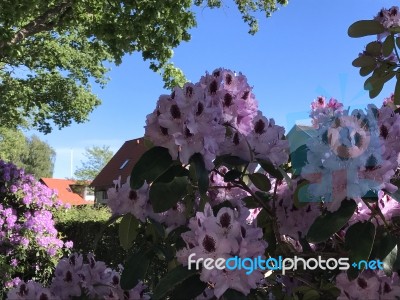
(221, 182)
(30, 246)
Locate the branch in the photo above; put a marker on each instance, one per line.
(41, 23)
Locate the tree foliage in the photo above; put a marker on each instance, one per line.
(50, 51)
(30, 153)
(96, 158)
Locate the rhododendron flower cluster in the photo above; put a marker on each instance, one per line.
(123, 200)
(369, 285)
(294, 219)
(213, 117)
(26, 224)
(222, 236)
(75, 278)
(352, 154)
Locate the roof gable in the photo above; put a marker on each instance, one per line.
(121, 164)
(64, 191)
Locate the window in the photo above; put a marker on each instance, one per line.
(124, 164)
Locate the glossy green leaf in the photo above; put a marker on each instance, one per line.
(260, 181)
(135, 269)
(298, 159)
(172, 172)
(331, 222)
(270, 168)
(232, 175)
(164, 195)
(190, 288)
(365, 28)
(364, 71)
(230, 161)
(151, 164)
(388, 45)
(128, 231)
(374, 48)
(172, 279)
(311, 295)
(364, 61)
(397, 91)
(202, 173)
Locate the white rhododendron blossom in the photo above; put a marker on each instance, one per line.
(223, 236)
(75, 278)
(212, 117)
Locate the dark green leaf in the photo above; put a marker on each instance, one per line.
(388, 45)
(230, 161)
(171, 280)
(201, 172)
(364, 28)
(190, 288)
(217, 207)
(164, 195)
(135, 269)
(232, 175)
(172, 172)
(386, 249)
(364, 61)
(364, 71)
(249, 202)
(298, 159)
(359, 240)
(260, 181)
(331, 222)
(232, 294)
(151, 164)
(397, 91)
(128, 231)
(300, 196)
(398, 42)
(270, 168)
(374, 48)
(311, 295)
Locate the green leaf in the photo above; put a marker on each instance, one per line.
(397, 91)
(364, 61)
(201, 172)
(359, 240)
(260, 181)
(388, 45)
(128, 231)
(374, 48)
(311, 295)
(164, 195)
(135, 269)
(249, 202)
(151, 164)
(173, 278)
(270, 168)
(364, 71)
(386, 249)
(331, 222)
(232, 294)
(172, 172)
(298, 159)
(232, 175)
(365, 28)
(190, 288)
(230, 161)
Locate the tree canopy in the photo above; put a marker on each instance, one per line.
(29, 153)
(96, 158)
(50, 51)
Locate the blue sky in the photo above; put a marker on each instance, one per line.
(301, 52)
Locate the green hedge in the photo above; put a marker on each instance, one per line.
(82, 224)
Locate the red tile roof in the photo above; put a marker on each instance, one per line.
(121, 164)
(64, 191)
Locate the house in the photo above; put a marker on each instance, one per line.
(70, 191)
(299, 135)
(120, 165)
